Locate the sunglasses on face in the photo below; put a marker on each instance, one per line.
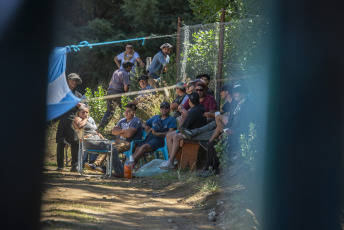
(197, 90)
(129, 47)
(164, 107)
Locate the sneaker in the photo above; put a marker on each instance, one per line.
(101, 169)
(59, 169)
(187, 134)
(91, 167)
(166, 165)
(175, 162)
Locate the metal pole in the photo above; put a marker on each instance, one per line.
(220, 59)
(178, 47)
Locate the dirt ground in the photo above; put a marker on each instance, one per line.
(174, 200)
(71, 201)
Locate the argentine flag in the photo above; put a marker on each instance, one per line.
(60, 98)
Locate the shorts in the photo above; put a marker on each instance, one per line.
(154, 143)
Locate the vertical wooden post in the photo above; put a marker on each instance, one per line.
(220, 58)
(178, 47)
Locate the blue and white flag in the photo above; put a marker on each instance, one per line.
(60, 98)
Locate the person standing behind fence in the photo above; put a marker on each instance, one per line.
(128, 55)
(159, 60)
(119, 83)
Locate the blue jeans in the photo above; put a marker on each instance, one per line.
(88, 157)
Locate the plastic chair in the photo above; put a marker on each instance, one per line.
(132, 145)
(156, 153)
(82, 151)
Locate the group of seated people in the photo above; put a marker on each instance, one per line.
(193, 115)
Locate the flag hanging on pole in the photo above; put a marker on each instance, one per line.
(60, 98)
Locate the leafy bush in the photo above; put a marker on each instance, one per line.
(149, 105)
(221, 148)
(97, 106)
(249, 147)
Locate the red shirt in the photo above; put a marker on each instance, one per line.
(209, 103)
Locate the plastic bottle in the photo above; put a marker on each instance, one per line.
(129, 168)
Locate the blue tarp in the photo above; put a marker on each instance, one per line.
(60, 98)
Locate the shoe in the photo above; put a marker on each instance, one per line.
(187, 134)
(101, 169)
(73, 169)
(166, 165)
(175, 162)
(59, 169)
(91, 167)
(209, 173)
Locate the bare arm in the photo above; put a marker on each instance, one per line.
(78, 123)
(146, 127)
(117, 130)
(141, 63)
(209, 114)
(117, 62)
(126, 88)
(129, 132)
(162, 134)
(174, 106)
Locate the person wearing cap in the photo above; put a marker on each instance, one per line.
(156, 127)
(206, 79)
(118, 84)
(143, 81)
(127, 129)
(159, 61)
(181, 93)
(207, 100)
(242, 115)
(128, 55)
(194, 119)
(206, 132)
(65, 134)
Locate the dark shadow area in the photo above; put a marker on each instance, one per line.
(25, 45)
(305, 123)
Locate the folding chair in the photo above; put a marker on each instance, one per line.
(82, 151)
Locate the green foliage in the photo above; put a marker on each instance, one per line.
(221, 150)
(208, 185)
(149, 106)
(98, 106)
(103, 20)
(249, 147)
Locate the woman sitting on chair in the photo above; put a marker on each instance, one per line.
(92, 139)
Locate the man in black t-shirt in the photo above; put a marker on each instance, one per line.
(181, 93)
(194, 119)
